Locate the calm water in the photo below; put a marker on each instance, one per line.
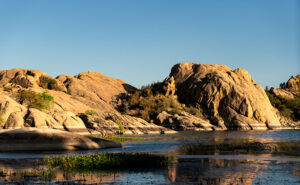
(185, 169)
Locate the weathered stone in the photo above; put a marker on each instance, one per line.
(184, 122)
(70, 122)
(15, 120)
(39, 119)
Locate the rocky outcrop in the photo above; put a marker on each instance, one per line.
(185, 122)
(294, 84)
(33, 139)
(73, 97)
(30, 79)
(231, 98)
(283, 93)
(288, 90)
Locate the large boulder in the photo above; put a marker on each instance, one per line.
(231, 98)
(33, 139)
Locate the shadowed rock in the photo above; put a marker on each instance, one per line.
(33, 139)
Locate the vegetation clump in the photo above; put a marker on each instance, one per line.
(1, 119)
(287, 108)
(151, 100)
(48, 83)
(107, 161)
(36, 100)
(90, 112)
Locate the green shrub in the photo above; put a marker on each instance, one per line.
(36, 100)
(48, 83)
(1, 119)
(287, 108)
(90, 112)
(69, 91)
(149, 106)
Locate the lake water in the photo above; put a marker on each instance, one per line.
(226, 169)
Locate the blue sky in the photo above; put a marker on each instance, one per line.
(140, 40)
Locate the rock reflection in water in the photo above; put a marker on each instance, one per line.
(215, 171)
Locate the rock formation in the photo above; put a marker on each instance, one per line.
(86, 103)
(231, 98)
(290, 89)
(73, 97)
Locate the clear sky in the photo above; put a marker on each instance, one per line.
(140, 40)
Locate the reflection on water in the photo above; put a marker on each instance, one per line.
(216, 171)
(223, 172)
(56, 176)
(184, 169)
(27, 172)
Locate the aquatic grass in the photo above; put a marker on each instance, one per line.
(107, 161)
(123, 139)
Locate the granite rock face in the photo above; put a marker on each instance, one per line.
(231, 98)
